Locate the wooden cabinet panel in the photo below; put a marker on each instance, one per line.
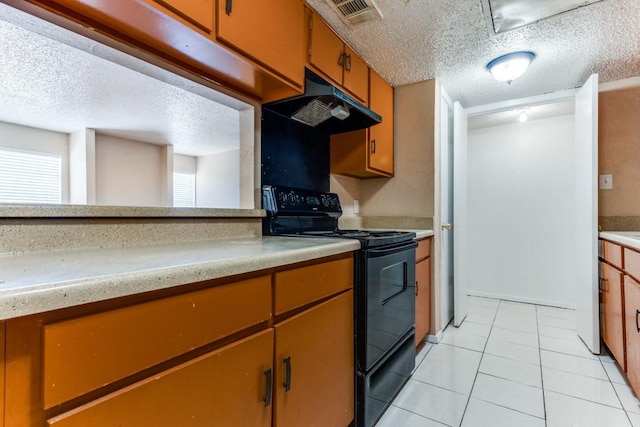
(381, 144)
(612, 253)
(326, 51)
(197, 12)
(2, 361)
(226, 387)
(271, 32)
(632, 263)
(612, 312)
(632, 328)
(83, 354)
(318, 344)
(356, 75)
(298, 287)
(424, 249)
(423, 291)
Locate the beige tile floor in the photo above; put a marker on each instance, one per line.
(513, 365)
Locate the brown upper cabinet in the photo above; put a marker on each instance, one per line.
(255, 50)
(329, 55)
(368, 153)
(270, 32)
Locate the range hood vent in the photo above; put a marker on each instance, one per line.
(325, 107)
(355, 12)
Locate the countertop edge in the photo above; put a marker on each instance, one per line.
(18, 302)
(623, 238)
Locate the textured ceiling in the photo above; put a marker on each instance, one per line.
(452, 41)
(51, 85)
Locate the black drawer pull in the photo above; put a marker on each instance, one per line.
(267, 395)
(637, 326)
(287, 379)
(343, 57)
(229, 7)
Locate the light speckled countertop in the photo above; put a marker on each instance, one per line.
(43, 281)
(627, 238)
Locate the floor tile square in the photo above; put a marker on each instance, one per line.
(516, 337)
(484, 302)
(635, 419)
(512, 395)
(557, 322)
(422, 353)
(473, 329)
(553, 332)
(483, 319)
(513, 351)
(614, 373)
(587, 388)
(477, 309)
(432, 402)
(629, 401)
(565, 410)
(460, 338)
(516, 323)
(510, 369)
(449, 367)
(577, 365)
(395, 417)
(562, 313)
(574, 348)
(484, 414)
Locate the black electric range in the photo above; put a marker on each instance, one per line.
(384, 291)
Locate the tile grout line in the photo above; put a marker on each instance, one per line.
(612, 386)
(479, 363)
(544, 401)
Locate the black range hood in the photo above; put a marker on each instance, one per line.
(325, 107)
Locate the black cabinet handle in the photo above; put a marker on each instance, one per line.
(287, 379)
(343, 57)
(637, 326)
(348, 62)
(416, 288)
(267, 395)
(229, 7)
(373, 146)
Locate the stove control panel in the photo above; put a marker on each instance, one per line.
(278, 200)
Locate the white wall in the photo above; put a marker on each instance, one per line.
(218, 180)
(40, 140)
(128, 173)
(520, 211)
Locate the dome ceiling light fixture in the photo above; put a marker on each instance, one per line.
(508, 67)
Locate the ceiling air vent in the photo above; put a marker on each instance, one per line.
(354, 12)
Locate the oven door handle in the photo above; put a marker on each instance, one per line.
(392, 250)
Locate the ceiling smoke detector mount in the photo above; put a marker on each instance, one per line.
(355, 12)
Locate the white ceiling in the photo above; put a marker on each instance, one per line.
(534, 112)
(452, 41)
(55, 86)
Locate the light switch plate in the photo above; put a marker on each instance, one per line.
(606, 182)
(356, 207)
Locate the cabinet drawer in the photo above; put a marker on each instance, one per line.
(632, 263)
(84, 354)
(424, 249)
(226, 387)
(298, 287)
(612, 253)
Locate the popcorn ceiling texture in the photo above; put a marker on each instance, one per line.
(451, 41)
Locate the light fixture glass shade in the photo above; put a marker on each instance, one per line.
(509, 67)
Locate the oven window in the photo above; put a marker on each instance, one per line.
(393, 280)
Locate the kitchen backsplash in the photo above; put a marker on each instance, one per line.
(619, 223)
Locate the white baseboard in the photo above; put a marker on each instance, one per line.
(435, 339)
(515, 298)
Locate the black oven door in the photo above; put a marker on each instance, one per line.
(386, 300)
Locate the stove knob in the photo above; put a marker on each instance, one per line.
(325, 201)
(292, 198)
(282, 197)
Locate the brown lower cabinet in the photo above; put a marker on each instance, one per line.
(632, 323)
(611, 318)
(210, 353)
(228, 385)
(314, 368)
(423, 290)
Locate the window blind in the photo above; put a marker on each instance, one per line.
(30, 177)
(184, 190)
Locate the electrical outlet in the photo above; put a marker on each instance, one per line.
(606, 182)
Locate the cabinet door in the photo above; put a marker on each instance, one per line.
(197, 12)
(314, 366)
(632, 327)
(612, 316)
(271, 32)
(226, 387)
(356, 75)
(326, 50)
(2, 359)
(423, 299)
(380, 150)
